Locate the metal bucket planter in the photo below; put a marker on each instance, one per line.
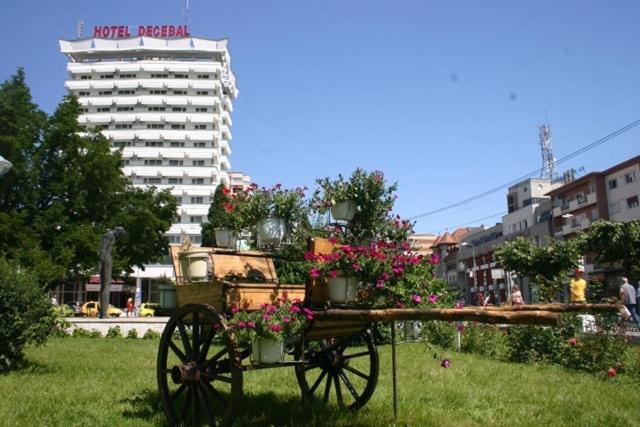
(225, 238)
(412, 330)
(267, 350)
(194, 266)
(270, 232)
(342, 290)
(344, 211)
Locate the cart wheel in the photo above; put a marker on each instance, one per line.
(336, 363)
(200, 382)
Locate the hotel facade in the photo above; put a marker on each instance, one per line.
(166, 103)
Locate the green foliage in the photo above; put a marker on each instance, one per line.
(545, 266)
(83, 333)
(486, 340)
(114, 332)
(151, 335)
(217, 216)
(616, 242)
(26, 314)
(439, 333)
(132, 334)
(371, 195)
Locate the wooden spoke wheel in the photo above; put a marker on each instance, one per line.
(335, 368)
(199, 376)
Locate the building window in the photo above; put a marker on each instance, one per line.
(179, 109)
(201, 109)
(127, 76)
(176, 144)
(159, 76)
(581, 198)
(126, 92)
(152, 181)
(613, 183)
(195, 220)
(85, 77)
(179, 92)
(157, 92)
(180, 76)
(200, 127)
(105, 92)
(153, 162)
(153, 144)
(204, 76)
(199, 144)
(202, 92)
(175, 126)
(103, 109)
(106, 76)
(629, 177)
(84, 93)
(632, 202)
(614, 208)
(123, 126)
(124, 109)
(197, 181)
(156, 108)
(155, 126)
(197, 200)
(198, 163)
(594, 214)
(175, 180)
(175, 162)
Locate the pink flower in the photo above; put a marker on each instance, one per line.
(266, 317)
(356, 266)
(234, 308)
(271, 309)
(384, 276)
(435, 259)
(380, 284)
(333, 240)
(433, 298)
(275, 328)
(460, 328)
(398, 270)
(294, 309)
(309, 256)
(572, 342)
(400, 304)
(459, 305)
(445, 363)
(285, 319)
(612, 372)
(251, 324)
(416, 298)
(315, 272)
(296, 301)
(333, 273)
(241, 324)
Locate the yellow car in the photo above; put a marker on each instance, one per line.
(148, 309)
(92, 309)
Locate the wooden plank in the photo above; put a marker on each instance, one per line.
(317, 288)
(325, 333)
(478, 315)
(558, 308)
(201, 293)
(252, 267)
(252, 295)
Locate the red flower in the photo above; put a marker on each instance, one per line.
(333, 273)
(315, 272)
(612, 372)
(445, 363)
(572, 342)
(228, 207)
(226, 191)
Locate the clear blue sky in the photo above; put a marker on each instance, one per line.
(444, 96)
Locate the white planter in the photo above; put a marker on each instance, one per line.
(270, 231)
(342, 290)
(194, 266)
(344, 211)
(225, 238)
(266, 350)
(412, 329)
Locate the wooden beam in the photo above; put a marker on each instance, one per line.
(558, 308)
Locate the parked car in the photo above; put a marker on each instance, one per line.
(92, 309)
(75, 306)
(149, 309)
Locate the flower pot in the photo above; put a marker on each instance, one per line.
(344, 211)
(226, 238)
(194, 266)
(342, 290)
(412, 330)
(270, 231)
(267, 350)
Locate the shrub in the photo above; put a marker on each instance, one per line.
(133, 333)
(150, 335)
(83, 333)
(486, 340)
(439, 333)
(26, 315)
(114, 332)
(526, 343)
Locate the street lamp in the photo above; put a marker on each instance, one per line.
(473, 254)
(5, 166)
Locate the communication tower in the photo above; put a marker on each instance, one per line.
(548, 170)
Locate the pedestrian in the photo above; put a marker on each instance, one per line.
(577, 287)
(130, 307)
(628, 297)
(516, 295)
(638, 300)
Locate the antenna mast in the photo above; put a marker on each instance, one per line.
(548, 170)
(79, 29)
(186, 12)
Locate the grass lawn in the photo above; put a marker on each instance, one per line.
(111, 382)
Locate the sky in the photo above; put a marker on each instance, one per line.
(444, 97)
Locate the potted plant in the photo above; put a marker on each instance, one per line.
(273, 212)
(268, 329)
(224, 219)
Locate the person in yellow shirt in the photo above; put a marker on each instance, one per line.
(577, 286)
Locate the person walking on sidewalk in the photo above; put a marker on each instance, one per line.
(577, 286)
(628, 296)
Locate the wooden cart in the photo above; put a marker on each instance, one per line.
(200, 377)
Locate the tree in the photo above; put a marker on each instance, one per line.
(616, 243)
(216, 211)
(545, 266)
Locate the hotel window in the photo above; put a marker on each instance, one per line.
(106, 76)
(153, 162)
(124, 109)
(175, 126)
(105, 92)
(204, 76)
(202, 92)
(156, 108)
(175, 180)
(127, 76)
(200, 127)
(85, 77)
(632, 202)
(179, 92)
(179, 109)
(197, 181)
(199, 144)
(176, 144)
(195, 219)
(153, 144)
(126, 92)
(198, 163)
(103, 109)
(181, 76)
(155, 126)
(175, 162)
(159, 76)
(152, 181)
(84, 93)
(197, 200)
(123, 126)
(201, 109)
(629, 177)
(613, 183)
(157, 92)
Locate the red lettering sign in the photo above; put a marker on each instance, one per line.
(123, 31)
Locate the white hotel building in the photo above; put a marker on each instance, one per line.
(166, 102)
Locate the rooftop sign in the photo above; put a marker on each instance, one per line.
(125, 31)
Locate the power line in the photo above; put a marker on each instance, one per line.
(474, 221)
(533, 173)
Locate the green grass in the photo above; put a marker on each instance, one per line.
(111, 382)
